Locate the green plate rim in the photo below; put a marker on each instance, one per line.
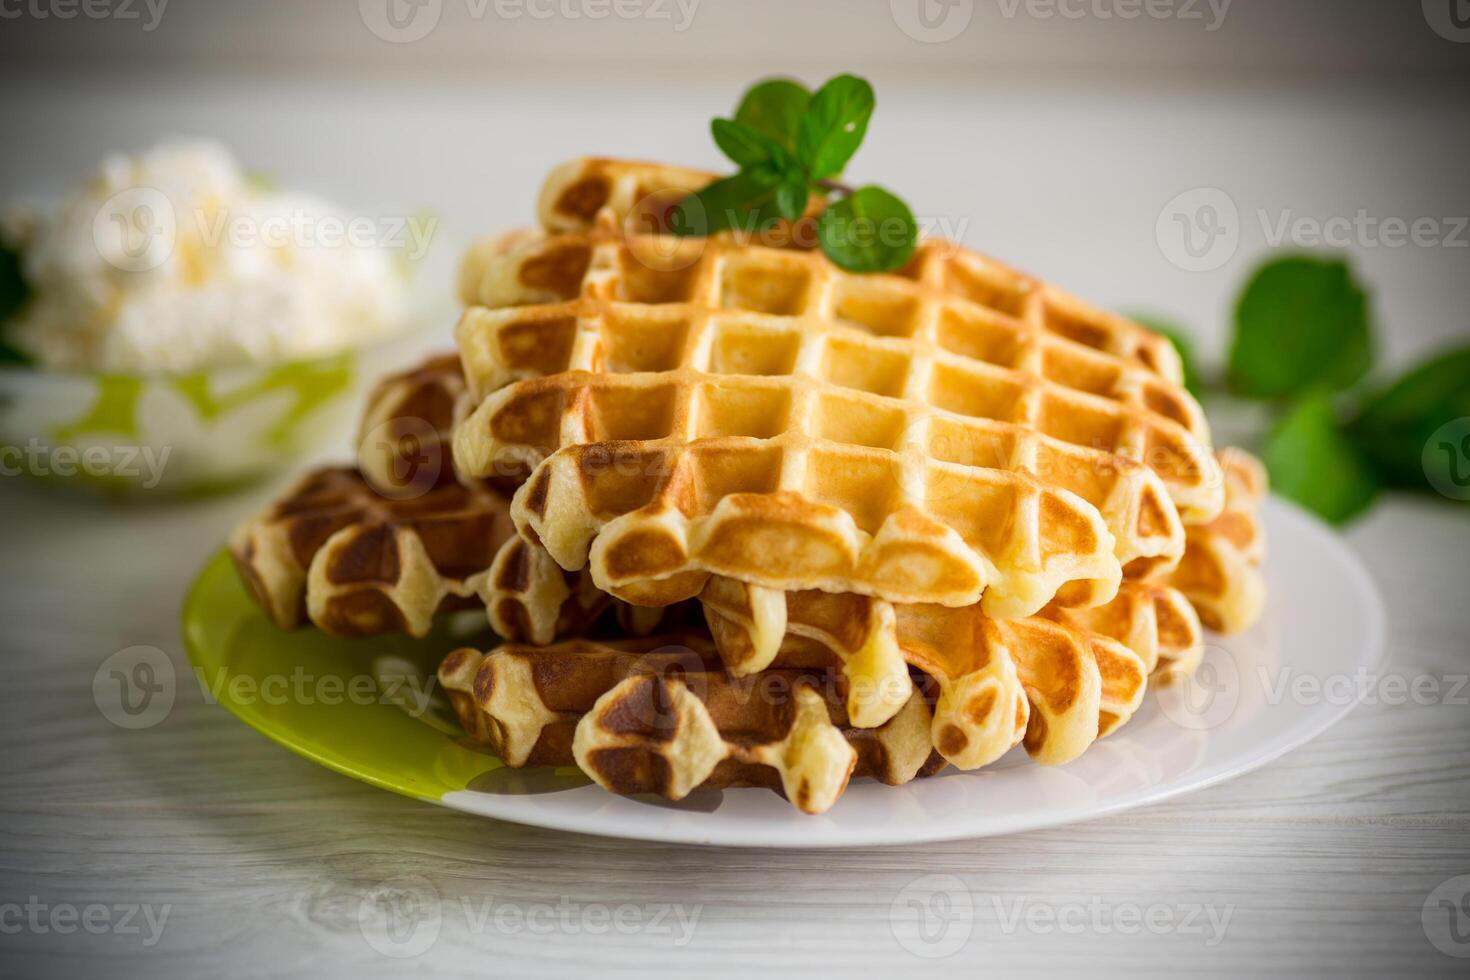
(200, 659)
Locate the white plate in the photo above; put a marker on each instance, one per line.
(1247, 706)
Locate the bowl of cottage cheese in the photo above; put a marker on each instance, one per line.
(176, 324)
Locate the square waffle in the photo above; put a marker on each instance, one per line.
(633, 198)
(723, 425)
(857, 420)
(857, 636)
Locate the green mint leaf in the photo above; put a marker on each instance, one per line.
(743, 201)
(1312, 461)
(1300, 322)
(1395, 424)
(791, 198)
(767, 175)
(774, 109)
(10, 354)
(748, 147)
(262, 182)
(14, 292)
(868, 231)
(834, 125)
(1183, 344)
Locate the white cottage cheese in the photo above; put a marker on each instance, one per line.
(175, 261)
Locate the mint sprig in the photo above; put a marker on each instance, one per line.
(1394, 425)
(1304, 339)
(1313, 461)
(789, 144)
(775, 107)
(1300, 322)
(834, 126)
(869, 230)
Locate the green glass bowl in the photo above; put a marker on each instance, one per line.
(174, 434)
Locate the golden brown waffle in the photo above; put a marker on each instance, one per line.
(909, 386)
(1155, 621)
(404, 436)
(612, 197)
(854, 451)
(636, 193)
(922, 304)
(797, 482)
(662, 716)
(629, 195)
(1059, 686)
(1220, 571)
(356, 563)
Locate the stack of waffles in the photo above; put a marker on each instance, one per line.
(841, 525)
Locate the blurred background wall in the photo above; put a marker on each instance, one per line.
(1102, 40)
(1065, 136)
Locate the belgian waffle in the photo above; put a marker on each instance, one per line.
(625, 197)
(661, 716)
(635, 196)
(334, 551)
(1154, 621)
(594, 194)
(958, 378)
(801, 453)
(404, 436)
(1220, 571)
(1059, 686)
(1157, 622)
(639, 194)
(413, 412)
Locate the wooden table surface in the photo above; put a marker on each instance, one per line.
(252, 861)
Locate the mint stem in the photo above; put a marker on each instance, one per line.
(835, 187)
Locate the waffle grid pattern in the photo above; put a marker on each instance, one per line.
(1220, 571)
(405, 431)
(919, 421)
(1058, 685)
(333, 551)
(602, 194)
(992, 359)
(659, 715)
